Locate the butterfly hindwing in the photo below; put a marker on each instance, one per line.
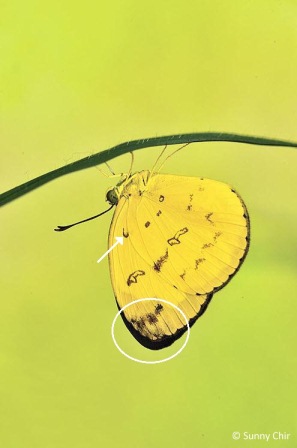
(184, 238)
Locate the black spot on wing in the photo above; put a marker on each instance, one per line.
(159, 263)
(159, 308)
(125, 233)
(182, 276)
(207, 246)
(147, 224)
(198, 262)
(151, 318)
(175, 239)
(216, 236)
(139, 323)
(159, 213)
(133, 277)
(161, 198)
(208, 217)
(189, 207)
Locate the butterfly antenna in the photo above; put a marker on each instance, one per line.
(62, 228)
(174, 152)
(156, 162)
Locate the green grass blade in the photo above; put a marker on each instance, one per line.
(134, 145)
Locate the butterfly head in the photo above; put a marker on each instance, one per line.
(113, 194)
(129, 185)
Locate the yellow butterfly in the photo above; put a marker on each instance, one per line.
(184, 239)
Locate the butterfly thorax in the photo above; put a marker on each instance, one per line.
(129, 185)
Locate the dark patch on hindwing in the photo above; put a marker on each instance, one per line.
(133, 277)
(207, 246)
(150, 335)
(175, 239)
(159, 308)
(159, 263)
(190, 206)
(198, 262)
(139, 323)
(208, 217)
(216, 236)
(152, 318)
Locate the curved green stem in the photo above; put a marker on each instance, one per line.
(123, 148)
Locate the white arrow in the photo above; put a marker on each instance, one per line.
(120, 240)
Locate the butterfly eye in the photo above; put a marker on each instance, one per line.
(112, 196)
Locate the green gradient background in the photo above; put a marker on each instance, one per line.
(79, 78)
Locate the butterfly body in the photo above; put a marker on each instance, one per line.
(184, 239)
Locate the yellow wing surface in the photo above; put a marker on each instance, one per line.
(184, 238)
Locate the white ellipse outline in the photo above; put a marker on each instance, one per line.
(141, 360)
